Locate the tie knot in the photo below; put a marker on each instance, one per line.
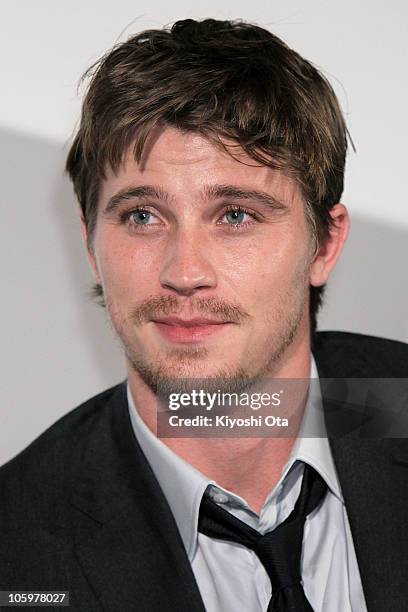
(279, 550)
(312, 491)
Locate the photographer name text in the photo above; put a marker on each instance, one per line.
(227, 422)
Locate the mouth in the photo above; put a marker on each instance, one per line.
(185, 331)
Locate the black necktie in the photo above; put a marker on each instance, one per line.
(279, 550)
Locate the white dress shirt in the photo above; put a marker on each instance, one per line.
(230, 576)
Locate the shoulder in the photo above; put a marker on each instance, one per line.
(345, 354)
(38, 523)
(41, 470)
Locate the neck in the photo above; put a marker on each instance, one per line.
(231, 462)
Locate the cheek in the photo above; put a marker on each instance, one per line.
(123, 268)
(283, 286)
(263, 264)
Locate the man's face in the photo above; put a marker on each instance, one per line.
(193, 233)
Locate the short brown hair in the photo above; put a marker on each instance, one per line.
(226, 80)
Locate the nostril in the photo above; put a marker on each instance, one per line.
(200, 275)
(186, 289)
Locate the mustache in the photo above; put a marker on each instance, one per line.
(167, 305)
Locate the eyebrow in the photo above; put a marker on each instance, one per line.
(134, 193)
(209, 193)
(237, 193)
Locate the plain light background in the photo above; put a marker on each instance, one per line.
(56, 346)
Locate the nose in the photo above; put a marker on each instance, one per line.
(186, 266)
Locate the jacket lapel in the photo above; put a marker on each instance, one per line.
(127, 541)
(373, 474)
(375, 490)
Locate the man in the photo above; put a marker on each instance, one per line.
(209, 169)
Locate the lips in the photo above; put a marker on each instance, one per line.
(197, 329)
(196, 321)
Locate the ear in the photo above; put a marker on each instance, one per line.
(89, 248)
(330, 250)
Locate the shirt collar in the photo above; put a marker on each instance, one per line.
(183, 485)
(312, 445)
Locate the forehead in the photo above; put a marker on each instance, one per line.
(178, 160)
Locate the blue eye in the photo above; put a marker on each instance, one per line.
(236, 216)
(140, 217)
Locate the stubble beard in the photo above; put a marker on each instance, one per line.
(180, 370)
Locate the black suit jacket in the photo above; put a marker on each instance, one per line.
(80, 509)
